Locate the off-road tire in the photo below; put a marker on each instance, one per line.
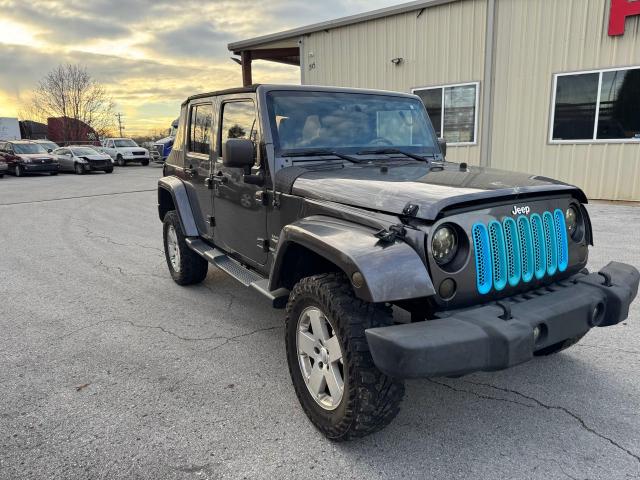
(193, 268)
(371, 400)
(558, 347)
(144, 163)
(19, 171)
(120, 161)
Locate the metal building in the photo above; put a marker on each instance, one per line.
(550, 87)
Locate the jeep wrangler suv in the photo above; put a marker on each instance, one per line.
(337, 204)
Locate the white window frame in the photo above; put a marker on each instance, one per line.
(442, 109)
(594, 138)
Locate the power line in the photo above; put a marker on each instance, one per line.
(120, 126)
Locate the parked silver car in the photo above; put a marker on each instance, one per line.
(81, 159)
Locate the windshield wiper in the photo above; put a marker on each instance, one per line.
(319, 153)
(386, 151)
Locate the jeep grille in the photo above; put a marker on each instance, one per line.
(511, 252)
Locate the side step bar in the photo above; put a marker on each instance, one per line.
(246, 276)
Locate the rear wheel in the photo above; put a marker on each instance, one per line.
(338, 385)
(186, 266)
(558, 347)
(120, 161)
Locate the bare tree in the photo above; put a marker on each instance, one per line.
(69, 91)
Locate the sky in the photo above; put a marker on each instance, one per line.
(149, 54)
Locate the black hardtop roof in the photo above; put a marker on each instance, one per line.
(253, 88)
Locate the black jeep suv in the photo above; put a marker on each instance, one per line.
(338, 204)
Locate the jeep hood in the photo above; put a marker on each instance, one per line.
(433, 188)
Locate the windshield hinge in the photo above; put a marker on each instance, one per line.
(390, 235)
(410, 209)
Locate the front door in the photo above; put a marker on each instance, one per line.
(241, 219)
(197, 164)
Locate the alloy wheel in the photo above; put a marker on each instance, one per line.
(320, 358)
(173, 248)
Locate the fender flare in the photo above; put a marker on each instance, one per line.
(178, 192)
(391, 271)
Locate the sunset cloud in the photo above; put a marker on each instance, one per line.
(149, 54)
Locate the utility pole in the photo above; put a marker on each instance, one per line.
(120, 127)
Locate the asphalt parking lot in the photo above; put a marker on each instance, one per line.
(110, 370)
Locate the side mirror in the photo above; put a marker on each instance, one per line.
(442, 143)
(238, 153)
(49, 150)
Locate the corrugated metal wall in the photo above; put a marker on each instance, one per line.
(443, 45)
(536, 39)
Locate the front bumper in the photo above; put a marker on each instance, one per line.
(40, 167)
(480, 339)
(135, 158)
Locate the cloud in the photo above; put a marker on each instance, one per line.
(149, 54)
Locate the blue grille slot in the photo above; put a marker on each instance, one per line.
(561, 237)
(551, 243)
(498, 255)
(526, 246)
(514, 252)
(539, 253)
(484, 275)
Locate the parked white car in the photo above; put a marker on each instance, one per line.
(125, 150)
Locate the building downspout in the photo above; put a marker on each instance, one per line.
(487, 90)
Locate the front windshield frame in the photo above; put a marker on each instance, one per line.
(23, 148)
(428, 146)
(124, 142)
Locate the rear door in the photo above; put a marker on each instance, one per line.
(197, 162)
(240, 223)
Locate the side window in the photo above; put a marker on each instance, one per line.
(239, 121)
(110, 144)
(200, 121)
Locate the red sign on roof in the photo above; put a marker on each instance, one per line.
(620, 10)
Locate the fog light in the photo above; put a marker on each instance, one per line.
(447, 289)
(357, 279)
(536, 333)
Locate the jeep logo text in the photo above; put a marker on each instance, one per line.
(520, 210)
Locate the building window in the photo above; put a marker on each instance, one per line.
(453, 110)
(596, 106)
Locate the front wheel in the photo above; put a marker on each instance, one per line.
(78, 169)
(144, 163)
(338, 385)
(185, 265)
(19, 171)
(120, 161)
(53, 174)
(109, 170)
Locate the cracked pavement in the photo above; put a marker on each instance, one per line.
(110, 370)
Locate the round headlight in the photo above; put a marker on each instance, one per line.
(571, 219)
(444, 245)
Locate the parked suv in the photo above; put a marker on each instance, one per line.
(355, 210)
(125, 150)
(24, 156)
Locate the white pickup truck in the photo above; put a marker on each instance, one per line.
(125, 150)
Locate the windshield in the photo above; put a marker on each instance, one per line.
(349, 121)
(84, 151)
(26, 148)
(126, 142)
(48, 145)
